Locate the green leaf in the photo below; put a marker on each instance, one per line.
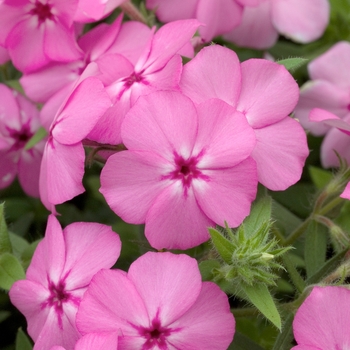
(22, 341)
(285, 338)
(316, 238)
(19, 244)
(5, 243)
(27, 253)
(4, 315)
(224, 247)
(260, 213)
(292, 64)
(11, 270)
(241, 342)
(294, 275)
(36, 138)
(320, 177)
(14, 84)
(206, 268)
(260, 296)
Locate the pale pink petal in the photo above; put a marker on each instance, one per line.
(110, 303)
(168, 284)
(169, 10)
(29, 170)
(324, 95)
(256, 29)
(25, 46)
(280, 154)
(98, 341)
(334, 142)
(9, 17)
(303, 21)
(27, 296)
(219, 17)
(60, 43)
(269, 93)
(250, 2)
(61, 174)
(214, 73)
(9, 107)
(207, 325)
(330, 119)
(167, 78)
(322, 319)
(228, 194)
(175, 221)
(49, 257)
(92, 11)
(166, 43)
(8, 168)
(224, 135)
(131, 181)
(4, 55)
(161, 122)
(81, 112)
(132, 40)
(346, 192)
(305, 347)
(89, 248)
(333, 65)
(44, 83)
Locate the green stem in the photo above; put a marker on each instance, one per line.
(297, 232)
(294, 275)
(330, 206)
(132, 12)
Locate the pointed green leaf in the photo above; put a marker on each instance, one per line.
(22, 341)
(37, 137)
(260, 214)
(5, 243)
(206, 268)
(320, 177)
(285, 338)
(292, 64)
(224, 247)
(260, 296)
(11, 270)
(316, 239)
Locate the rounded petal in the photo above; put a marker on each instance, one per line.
(269, 93)
(330, 119)
(256, 29)
(280, 154)
(324, 95)
(89, 248)
(98, 341)
(8, 168)
(168, 284)
(162, 122)
(322, 319)
(169, 10)
(224, 136)
(219, 17)
(333, 66)
(228, 194)
(207, 325)
(111, 303)
(9, 109)
(131, 181)
(175, 221)
(214, 73)
(346, 192)
(302, 21)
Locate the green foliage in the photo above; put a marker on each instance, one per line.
(22, 341)
(11, 270)
(292, 64)
(5, 243)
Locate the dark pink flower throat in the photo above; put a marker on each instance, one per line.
(43, 11)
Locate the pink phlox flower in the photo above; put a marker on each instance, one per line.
(92, 10)
(158, 67)
(329, 90)
(299, 20)
(4, 55)
(19, 120)
(36, 32)
(218, 16)
(60, 272)
(62, 167)
(161, 303)
(186, 168)
(266, 94)
(323, 320)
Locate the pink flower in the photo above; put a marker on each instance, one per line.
(302, 21)
(161, 303)
(4, 55)
(158, 67)
(19, 120)
(328, 90)
(219, 16)
(323, 320)
(62, 167)
(265, 93)
(61, 269)
(186, 168)
(36, 32)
